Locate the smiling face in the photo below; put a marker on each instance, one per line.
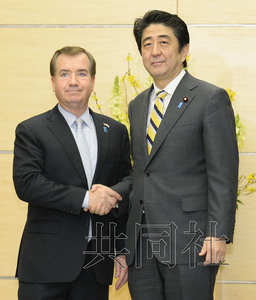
(161, 55)
(73, 83)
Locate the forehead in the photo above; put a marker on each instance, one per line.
(157, 30)
(72, 61)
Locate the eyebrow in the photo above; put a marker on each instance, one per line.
(82, 70)
(68, 70)
(166, 36)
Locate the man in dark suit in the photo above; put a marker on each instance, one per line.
(184, 180)
(71, 236)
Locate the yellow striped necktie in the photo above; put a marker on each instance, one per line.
(155, 119)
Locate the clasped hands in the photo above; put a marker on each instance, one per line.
(102, 199)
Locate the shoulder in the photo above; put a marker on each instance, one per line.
(205, 92)
(203, 86)
(38, 123)
(211, 97)
(35, 120)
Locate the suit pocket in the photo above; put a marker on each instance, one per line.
(44, 226)
(194, 203)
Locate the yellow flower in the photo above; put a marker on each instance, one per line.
(251, 178)
(122, 116)
(129, 58)
(250, 189)
(231, 94)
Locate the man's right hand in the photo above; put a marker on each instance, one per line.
(102, 199)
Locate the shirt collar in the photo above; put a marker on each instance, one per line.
(171, 87)
(70, 118)
(86, 116)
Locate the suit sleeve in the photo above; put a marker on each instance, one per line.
(221, 154)
(125, 160)
(122, 214)
(124, 187)
(29, 177)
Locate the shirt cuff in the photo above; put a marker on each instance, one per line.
(86, 201)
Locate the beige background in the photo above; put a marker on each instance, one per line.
(222, 52)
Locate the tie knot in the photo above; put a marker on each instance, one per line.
(161, 94)
(79, 123)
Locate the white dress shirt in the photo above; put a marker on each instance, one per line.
(91, 138)
(169, 89)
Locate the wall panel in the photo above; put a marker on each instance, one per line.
(235, 291)
(78, 12)
(225, 56)
(8, 289)
(240, 272)
(239, 255)
(217, 12)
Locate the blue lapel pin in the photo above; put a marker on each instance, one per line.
(180, 104)
(185, 99)
(105, 127)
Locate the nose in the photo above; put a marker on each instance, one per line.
(156, 50)
(73, 79)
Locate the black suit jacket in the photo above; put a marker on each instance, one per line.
(48, 174)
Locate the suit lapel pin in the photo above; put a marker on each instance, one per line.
(105, 127)
(180, 104)
(185, 99)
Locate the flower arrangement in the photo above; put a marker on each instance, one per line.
(246, 186)
(118, 104)
(240, 128)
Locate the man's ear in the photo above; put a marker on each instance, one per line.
(93, 83)
(185, 51)
(53, 83)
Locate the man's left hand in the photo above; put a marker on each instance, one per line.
(121, 271)
(214, 249)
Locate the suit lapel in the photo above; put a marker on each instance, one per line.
(103, 131)
(59, 127)
(176, 107)
(141, 122)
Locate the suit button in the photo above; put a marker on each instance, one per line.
(141, 201)
(147, 173)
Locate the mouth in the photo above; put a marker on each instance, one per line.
(73, 91)
(156, 63)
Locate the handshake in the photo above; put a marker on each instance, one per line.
(102, 199)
